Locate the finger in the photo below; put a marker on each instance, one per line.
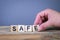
(43, 26)
(40, 17)
(38, 20)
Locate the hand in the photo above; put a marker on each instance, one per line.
(47, 18)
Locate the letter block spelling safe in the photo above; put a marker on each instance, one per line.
(24, 28)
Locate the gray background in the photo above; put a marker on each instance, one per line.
(23, 11)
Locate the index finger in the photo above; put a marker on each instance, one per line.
(40, 17)
(38, 20)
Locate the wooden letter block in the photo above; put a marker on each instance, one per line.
(14, 28)
(28, 28)
(35, 28)
(21, 28)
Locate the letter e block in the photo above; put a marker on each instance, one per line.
(35, 28)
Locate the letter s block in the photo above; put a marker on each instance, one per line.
(14, 28)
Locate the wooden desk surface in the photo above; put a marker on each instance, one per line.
(5, 34)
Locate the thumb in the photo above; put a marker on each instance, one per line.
(44, 25)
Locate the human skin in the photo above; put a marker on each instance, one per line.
(47, 18)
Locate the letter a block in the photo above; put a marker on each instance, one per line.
(21, 28)
(14, 28)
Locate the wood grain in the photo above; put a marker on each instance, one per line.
(5, 34)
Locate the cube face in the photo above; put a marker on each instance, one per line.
(35, 28)
(21, 28)
(28, 28)
(14, 28)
